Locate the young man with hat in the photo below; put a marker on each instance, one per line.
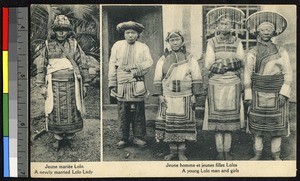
(62, 74)
(129, 62)
(268, 77)
(224, 60)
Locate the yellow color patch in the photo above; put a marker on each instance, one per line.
(5, 71)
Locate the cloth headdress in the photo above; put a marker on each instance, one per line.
(172, 34)
(257, 19)
(121, 27)
(61, 22)
(234, 14)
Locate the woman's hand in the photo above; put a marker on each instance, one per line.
(282, 99)
(162, 100)
(113, 89)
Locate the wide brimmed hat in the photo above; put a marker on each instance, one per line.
(234, 14)
(121, 27)
(61, 22)
(256, 19)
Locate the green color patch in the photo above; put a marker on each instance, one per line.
(5, 114)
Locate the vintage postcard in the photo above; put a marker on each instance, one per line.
(182, 90)
(65, 84)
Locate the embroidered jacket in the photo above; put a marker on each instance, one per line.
(268, 59)
(52, 50)
(128, 65)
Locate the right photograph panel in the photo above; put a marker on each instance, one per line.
(198, 83)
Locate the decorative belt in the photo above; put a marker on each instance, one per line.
(63, 75)
(267, 83)
(139, 79)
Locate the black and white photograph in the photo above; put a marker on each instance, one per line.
(198, 82)
(65, 83)
(163, 90)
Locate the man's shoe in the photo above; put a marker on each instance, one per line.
(140, 143)
(121, 144)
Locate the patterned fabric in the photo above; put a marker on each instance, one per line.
(266, 116)
(132, 113)
(62, 106)
(127, 67)
(176, 123)
(64, 118)
(229, 45)
(223, 108)
(61, 21)
(217, 68)
(177, 78)
(224, 97)
(53, 51)
(268, 74)
(233, 64)
(268, 59)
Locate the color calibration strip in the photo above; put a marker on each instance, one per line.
(15, 91)
(21, 74)
(12, 84)
(5, 31)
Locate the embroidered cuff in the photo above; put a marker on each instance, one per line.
(157, 89)
(135, 72)
(285, 90)
(112, 83)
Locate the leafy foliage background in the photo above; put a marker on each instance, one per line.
(85, 23)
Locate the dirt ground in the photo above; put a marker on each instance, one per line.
(86, 144)
(203, 149)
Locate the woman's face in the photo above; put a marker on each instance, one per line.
(266, 32)
(175, 43)
(225, 26)
(131, 36)
(61, 34)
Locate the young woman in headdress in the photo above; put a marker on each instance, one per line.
(268, 77)
(62, 74)
(224, 60)
(177, 81)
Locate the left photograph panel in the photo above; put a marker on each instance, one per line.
(65, 83)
